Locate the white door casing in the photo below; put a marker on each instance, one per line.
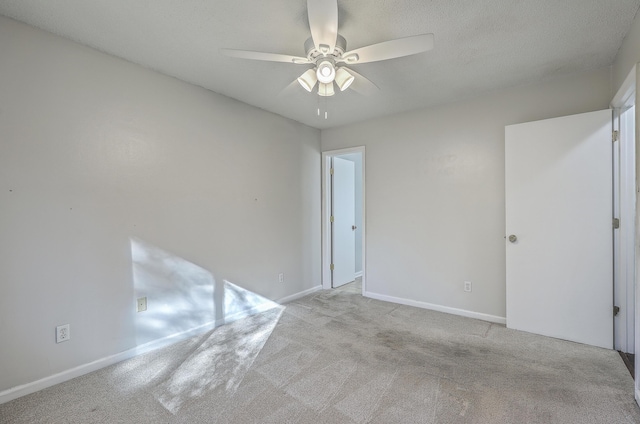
(343, 230)
(624, 237)
(558, 186)
(628, 321)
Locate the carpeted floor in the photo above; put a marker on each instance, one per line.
(336, 357)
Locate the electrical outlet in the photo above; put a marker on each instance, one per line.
(467, 286)
(281, 277)
(142, 304)
(63, 333)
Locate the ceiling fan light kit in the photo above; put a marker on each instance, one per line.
(326, 90)
(308, 80)
(344, 78)
(327, 51)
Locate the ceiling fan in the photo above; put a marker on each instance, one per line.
(327, 51)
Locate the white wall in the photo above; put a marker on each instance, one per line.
(98, 156)
(628, 55)
(435, 191)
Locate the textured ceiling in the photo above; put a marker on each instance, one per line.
(480, 45)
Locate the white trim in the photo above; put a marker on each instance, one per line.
(628, 220)
(299, 295)
(438, 308)
(248, 312)
(61, 377)
(358, 274)
(619, 292)
(326, 213)
(624, 238)
(636, 240)
(626, 97)
(326, 228)
(364, 221)
(346, 151)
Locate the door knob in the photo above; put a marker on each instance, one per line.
(513, 238)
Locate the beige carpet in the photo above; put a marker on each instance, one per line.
(336, 357)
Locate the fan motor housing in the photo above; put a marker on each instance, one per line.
(313, 54)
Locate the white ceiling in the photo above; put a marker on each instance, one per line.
(480, 45)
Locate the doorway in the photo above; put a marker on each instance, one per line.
(343, 217)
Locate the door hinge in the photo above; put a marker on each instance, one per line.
(331, 266)
(616, 310)
(614, 136)
(331, 171)
(616, 223)
(331, 218)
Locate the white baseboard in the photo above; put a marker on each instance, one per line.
(265, 306)
(439, 308)
(358, 274)
(297, 296)
(25, 389)
(638, 396)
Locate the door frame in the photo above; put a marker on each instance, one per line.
(624, 209)
(626, 96)
(326, 214)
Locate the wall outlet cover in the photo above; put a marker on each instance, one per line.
(63, 333)
(467, 286)
(142, 304)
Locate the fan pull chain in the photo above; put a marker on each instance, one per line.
(322, 104)
(325, 100)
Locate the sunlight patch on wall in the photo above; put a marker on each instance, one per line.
(181, 297)
(179, 293)
(240, 303)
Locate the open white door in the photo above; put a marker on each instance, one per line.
(343, 227)
(559, 228)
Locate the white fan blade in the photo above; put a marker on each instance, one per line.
(389, 49)
(271, 57)
(293, 88)
(323, 22)
(361, 84)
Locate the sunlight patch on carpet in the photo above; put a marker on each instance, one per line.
(220, 362)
